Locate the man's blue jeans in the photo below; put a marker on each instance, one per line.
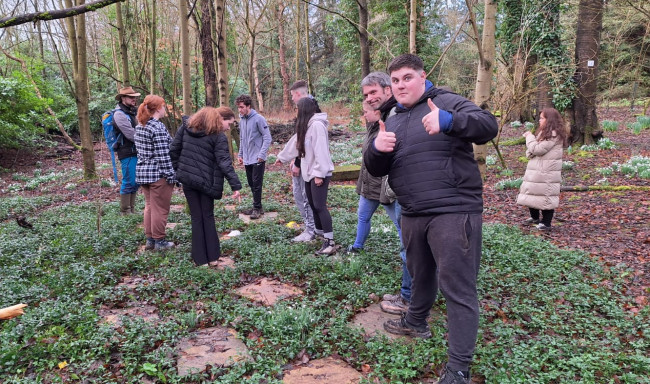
(367, 208)
(128, 176)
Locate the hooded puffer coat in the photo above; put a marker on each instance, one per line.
(541, 186)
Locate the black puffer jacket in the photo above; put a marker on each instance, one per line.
(202, 161)
(435, 174)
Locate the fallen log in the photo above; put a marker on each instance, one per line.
(613, 188)
(11, 312)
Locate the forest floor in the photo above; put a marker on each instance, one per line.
(613, 226)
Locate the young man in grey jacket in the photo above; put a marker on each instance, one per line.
(254, 143)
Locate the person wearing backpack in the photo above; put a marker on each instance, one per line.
(124, 121)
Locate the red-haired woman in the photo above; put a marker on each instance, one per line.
(154, 171)
(540, 189)
(201, 159)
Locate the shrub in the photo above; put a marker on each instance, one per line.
(609, 126)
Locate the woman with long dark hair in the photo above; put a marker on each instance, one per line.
(540, 189)
(311, 144)
(201, 159)
(154, 171)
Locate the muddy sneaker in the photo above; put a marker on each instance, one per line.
(542, 227)
(353, 249)
(256, 214)
(249, 211)
(395, 307)
(400, 327)
(304, 237)
(389, 297)
(163, 245)
(150, 244)
(530, 221)
(328, 248)
(453, 377)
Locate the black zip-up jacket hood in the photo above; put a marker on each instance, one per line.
(435, 174)
(202, 161)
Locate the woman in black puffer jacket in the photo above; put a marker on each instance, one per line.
(201, 160)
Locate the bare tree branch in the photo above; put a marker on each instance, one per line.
(57, 14)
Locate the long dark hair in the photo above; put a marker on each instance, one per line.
(306, 109)
(554, 123)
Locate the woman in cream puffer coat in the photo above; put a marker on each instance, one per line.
(540, 189)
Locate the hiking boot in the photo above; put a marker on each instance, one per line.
(304, 237)
(250, 211)
(453, 377)
(530, 221)
(395, 307)
(256, 214)
(401, 327)
(125, 205)
(150, 244)
(389, 297)
(543, 227)
(353, 249)
(328, 248)
(163, 245)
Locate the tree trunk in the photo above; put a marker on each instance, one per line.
(296, 73)
(484, 74)
(255, 78)
(126, 81)
(585, 127)
(413, 26)
(286, 98)
(363, 37)
(207, 53)
(185, 59)
(153, 26)
(68, 12)
(222, 52)
(77, 36)
(310, 86)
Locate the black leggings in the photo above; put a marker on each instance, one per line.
(547, 215)
(317, 197)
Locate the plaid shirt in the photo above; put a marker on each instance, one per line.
(152, 142)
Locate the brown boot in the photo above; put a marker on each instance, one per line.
(132, 199)
(125, 205)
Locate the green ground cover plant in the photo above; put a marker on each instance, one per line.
(547, 315)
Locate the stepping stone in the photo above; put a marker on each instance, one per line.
(323, 371)
(225, 262)
(148, 313)
(171, 226)
(371, 320)
(230, 208)
(177, 208)
(267, 291)
(133, 282)
(268, 216)
(218, 347)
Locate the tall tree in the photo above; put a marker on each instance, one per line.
(222, 51)
(126, 80)
(413, 17)
(363, 37)
(76, 30)
(152, 32)
(585, 128)
(185, 58)
(486, 52)
(284, 73)
(207, 53)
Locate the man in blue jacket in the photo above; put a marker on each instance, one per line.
(254, 143)
(425, 148)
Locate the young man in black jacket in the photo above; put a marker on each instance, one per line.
(425, 148)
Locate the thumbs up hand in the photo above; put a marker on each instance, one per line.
(431, 120)
(385, 141)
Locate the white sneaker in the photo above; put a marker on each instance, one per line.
(304, 237)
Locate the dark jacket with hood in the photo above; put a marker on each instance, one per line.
(435, 174)
(202, 161)
(369, 186)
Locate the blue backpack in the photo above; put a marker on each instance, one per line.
(112, 136)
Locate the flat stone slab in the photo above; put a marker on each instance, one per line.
(371, 319)
(112, 316)
(267, 291)
(171, 225)
(323, 371)
(177, 208)
(268, 216)
(133, 282)
(231, 208)
(225, 262)
(218, 347)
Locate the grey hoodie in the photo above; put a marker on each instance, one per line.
(255, 138)
(317, 161)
